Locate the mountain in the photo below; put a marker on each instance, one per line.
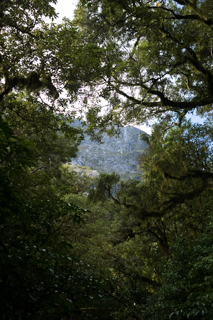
(118, 155)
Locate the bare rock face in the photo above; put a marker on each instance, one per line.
(119, 155)
(83, 171)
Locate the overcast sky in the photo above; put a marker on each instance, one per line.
(65, 8)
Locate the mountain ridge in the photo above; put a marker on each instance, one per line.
(115, 154)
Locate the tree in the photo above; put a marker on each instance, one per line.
(177, 163)
(150, 217)
(174, 196)
(186, 291)
(40, 277)
(158, 58)
(147, 59)
(157, 65)
(34, 256)
(39, 61)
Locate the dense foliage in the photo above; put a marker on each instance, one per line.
(40, 278)
(72, 247)
(158, 58)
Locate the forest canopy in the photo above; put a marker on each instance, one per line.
(72, 247)
(158, 58)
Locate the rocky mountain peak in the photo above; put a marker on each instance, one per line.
(115, 154)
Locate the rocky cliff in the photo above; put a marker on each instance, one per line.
(118, 155)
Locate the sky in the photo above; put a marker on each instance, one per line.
(65, 8)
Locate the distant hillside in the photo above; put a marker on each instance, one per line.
(118, 155)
